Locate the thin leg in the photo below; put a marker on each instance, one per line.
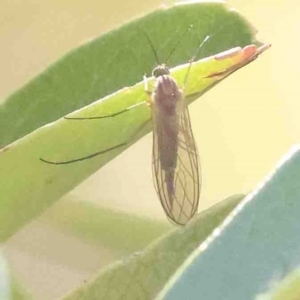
(147, 91)
(81, 158)
(108, 116)
(187, 73)
(193, 59)
(146, 86)
(99, 152)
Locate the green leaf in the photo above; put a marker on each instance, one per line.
(127, 233)
(287, 288)
(144, 274)
(118, 59)
(256, 246)
(29, 186)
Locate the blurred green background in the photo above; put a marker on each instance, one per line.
(242, 126)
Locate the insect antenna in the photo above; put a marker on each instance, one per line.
(178, 43)
(152, 47)
(172, 50)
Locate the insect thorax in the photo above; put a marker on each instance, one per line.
(166, 95)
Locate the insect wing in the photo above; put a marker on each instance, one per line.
(187, 179)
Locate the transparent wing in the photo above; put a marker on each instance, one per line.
(181, 204)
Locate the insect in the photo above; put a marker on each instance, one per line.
(175, 159)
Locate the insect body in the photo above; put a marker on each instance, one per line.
(175, 159)
(176, 172)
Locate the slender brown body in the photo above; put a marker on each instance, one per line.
(166, 97)
(175, 158)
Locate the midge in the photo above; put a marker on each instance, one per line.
(175, 160)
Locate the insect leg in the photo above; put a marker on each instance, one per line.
(99, 152)
(147, 91)
(193, 59)
(108, 116)
(146, 86)
(81, 158)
